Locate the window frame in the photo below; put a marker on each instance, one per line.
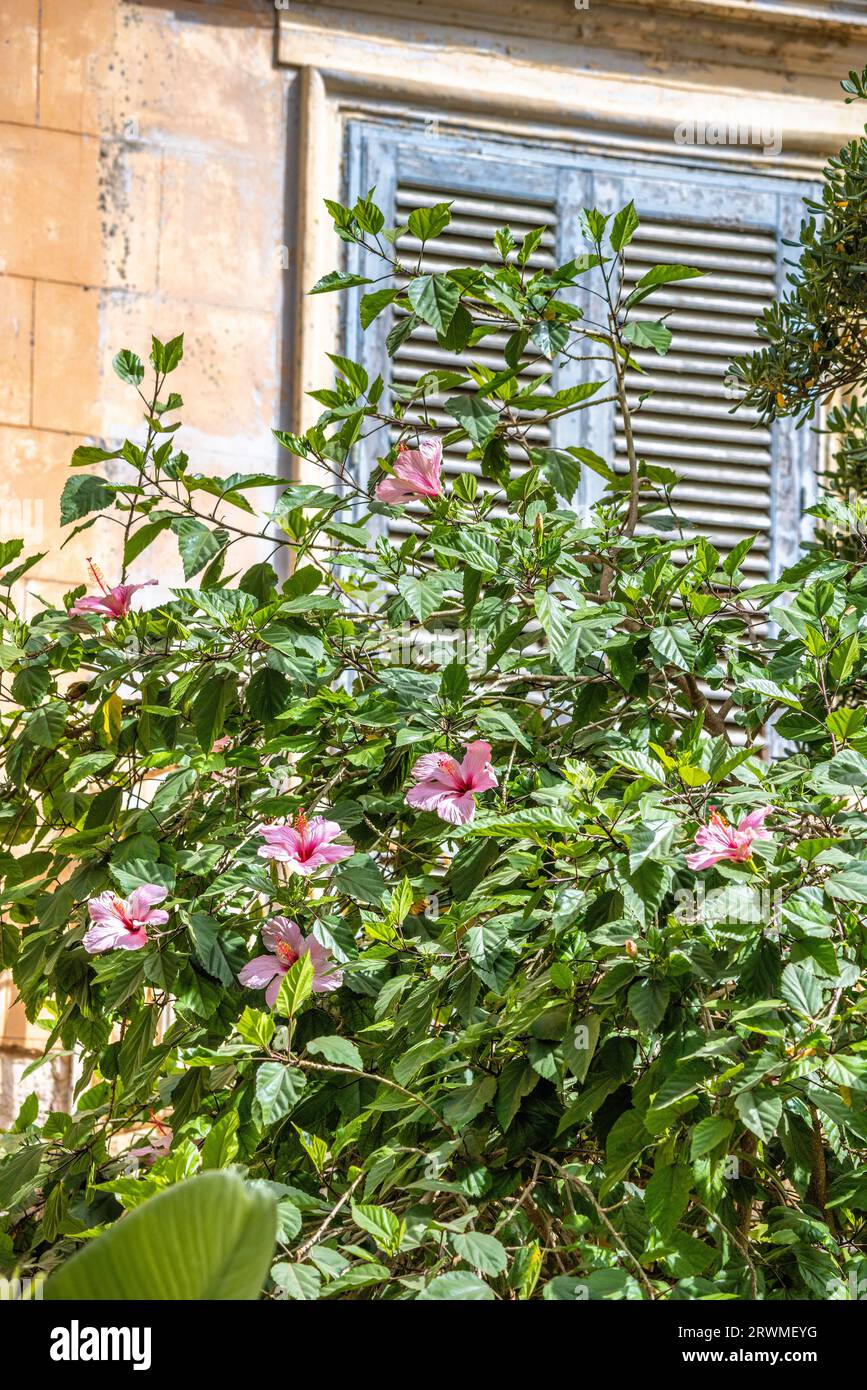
(382, 152)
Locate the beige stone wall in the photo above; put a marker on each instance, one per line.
(144, 167)
(162, 161)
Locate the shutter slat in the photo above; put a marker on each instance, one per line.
(467, 239)
(685, 423)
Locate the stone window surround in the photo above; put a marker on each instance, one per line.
(369, 59)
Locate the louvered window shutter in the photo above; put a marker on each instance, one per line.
(488, 188)
(725, 461)
(467, 239)
(736, 478)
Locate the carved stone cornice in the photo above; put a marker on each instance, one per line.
(552, 17)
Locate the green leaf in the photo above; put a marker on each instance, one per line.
(128, 367)
(166, 356)
(517, 1080)
(849, 884)
(435, 299)
(142, 537)
(485, 1253)
(498, 724)
(340, 1051)
(83, 494)
(209, 709)
(559, 629)
(422, 596)
(210, 1238)
(428, 223)
(800, 988)
(86, 454)
(479, 548)
(475, 416)
(256, 1027)
(761, 1112)
(373, 304)
(268, 694)
(624, 227)
(298, 1281)
(278, 1090)
(45, 725)
(457, 1286)
(648, 335)
(550, 337)
(648, 1000)
(198, 544)
(650, 840)
(338, 280)
(360, 878)
(295, 987)
(209, 947)
(660, 275)
(674, 647)
(221, 1145)
(31, 685)
(666, 1197)
(562, 470)
(709, 1134)
(18, 1172)
(380, 1223)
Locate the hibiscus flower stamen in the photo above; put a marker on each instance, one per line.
(97, 575)
(284, 952)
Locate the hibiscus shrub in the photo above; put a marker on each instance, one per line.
(445, 889)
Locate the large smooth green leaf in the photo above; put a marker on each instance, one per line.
(209, 1238)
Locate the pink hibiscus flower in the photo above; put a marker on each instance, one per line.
(417, 473)
(161, 1142)
(448, 787)
(123, 923)
(305, 846)
(285, 945)
(111, 603)
(719, 840)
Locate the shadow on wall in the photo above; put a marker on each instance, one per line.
(237, 13)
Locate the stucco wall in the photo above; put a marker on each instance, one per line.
(152, 155)
(145, 185)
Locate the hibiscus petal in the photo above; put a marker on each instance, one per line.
(92, 603)
(319, 831)
(327, 974)
(142, 899)
(427, 795)
(260, 971)
(456, 809)
(704, 859)
(394, 492)
(281, 929)
(477, 771)
(102, 938)
(282, 841)
(330, 854)
(274, 989)
(327, 981)
(105, 909)
(437, 767)
(132, 940)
